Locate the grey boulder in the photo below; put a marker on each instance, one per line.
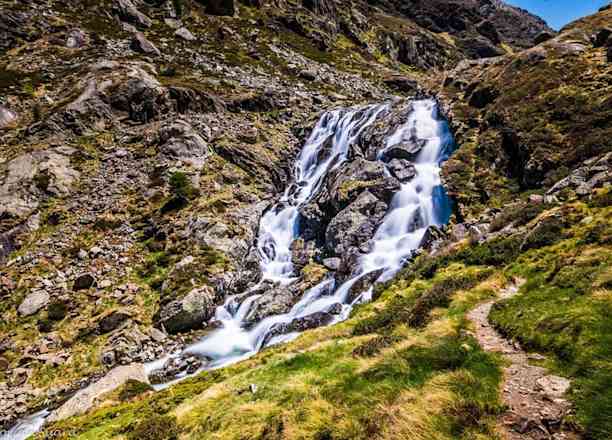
(188, 313)
(33, 302)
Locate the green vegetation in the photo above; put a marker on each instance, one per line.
(132, 389)
(334, 383)
(565, 309)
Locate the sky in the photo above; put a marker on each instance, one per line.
(558, 13)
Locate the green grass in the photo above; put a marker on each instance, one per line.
(405, 366)
(323, 386)
(565, 309)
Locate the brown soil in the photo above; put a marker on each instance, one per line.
(534, 398)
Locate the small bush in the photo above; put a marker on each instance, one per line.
(518, 215)
(440, 295)
(154, 427)
(42, 181)
(56, 311)
(180, 185)
(546, 232)
(133, 388)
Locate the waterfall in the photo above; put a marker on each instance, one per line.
(421, 201)
(327, 148)
(278, 226)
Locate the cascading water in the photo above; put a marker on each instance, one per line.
(421, 202)
(277, 228)
(327, 147)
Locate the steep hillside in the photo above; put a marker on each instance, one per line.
(144, 144)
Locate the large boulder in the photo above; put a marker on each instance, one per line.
(33, 302)
(273, 301)
(181, 142)
(301, 324)
(189, 312)
(31, 177)
(355, 224)
(402, 169)
(175, 366)
(408, 149)
(354, 177)
(141, 96)
(86, 399)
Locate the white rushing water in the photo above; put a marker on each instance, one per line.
(418, 204)
(25, 427)
(420, 201)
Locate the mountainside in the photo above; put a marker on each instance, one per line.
(194, 184)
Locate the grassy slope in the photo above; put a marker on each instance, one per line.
(405, 366)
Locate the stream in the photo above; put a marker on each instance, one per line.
(419, 203)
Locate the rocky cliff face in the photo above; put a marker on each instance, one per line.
(142, 141)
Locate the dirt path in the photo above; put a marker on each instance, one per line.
(535, 402)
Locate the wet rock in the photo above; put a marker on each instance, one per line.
(352, 178)
(84, 281)
(313, 221)
(432, 235)
(355, 224)
(406, 150)
(303, 252)
(7, 117)
(332, 263)
(33, 302)
(86, 399)
(185, 34)
(126, 11)
(219, 7)
(402, 169)
(188, 313)
(176, 367)
(317, 319)
(274, 301)
(140, 44)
